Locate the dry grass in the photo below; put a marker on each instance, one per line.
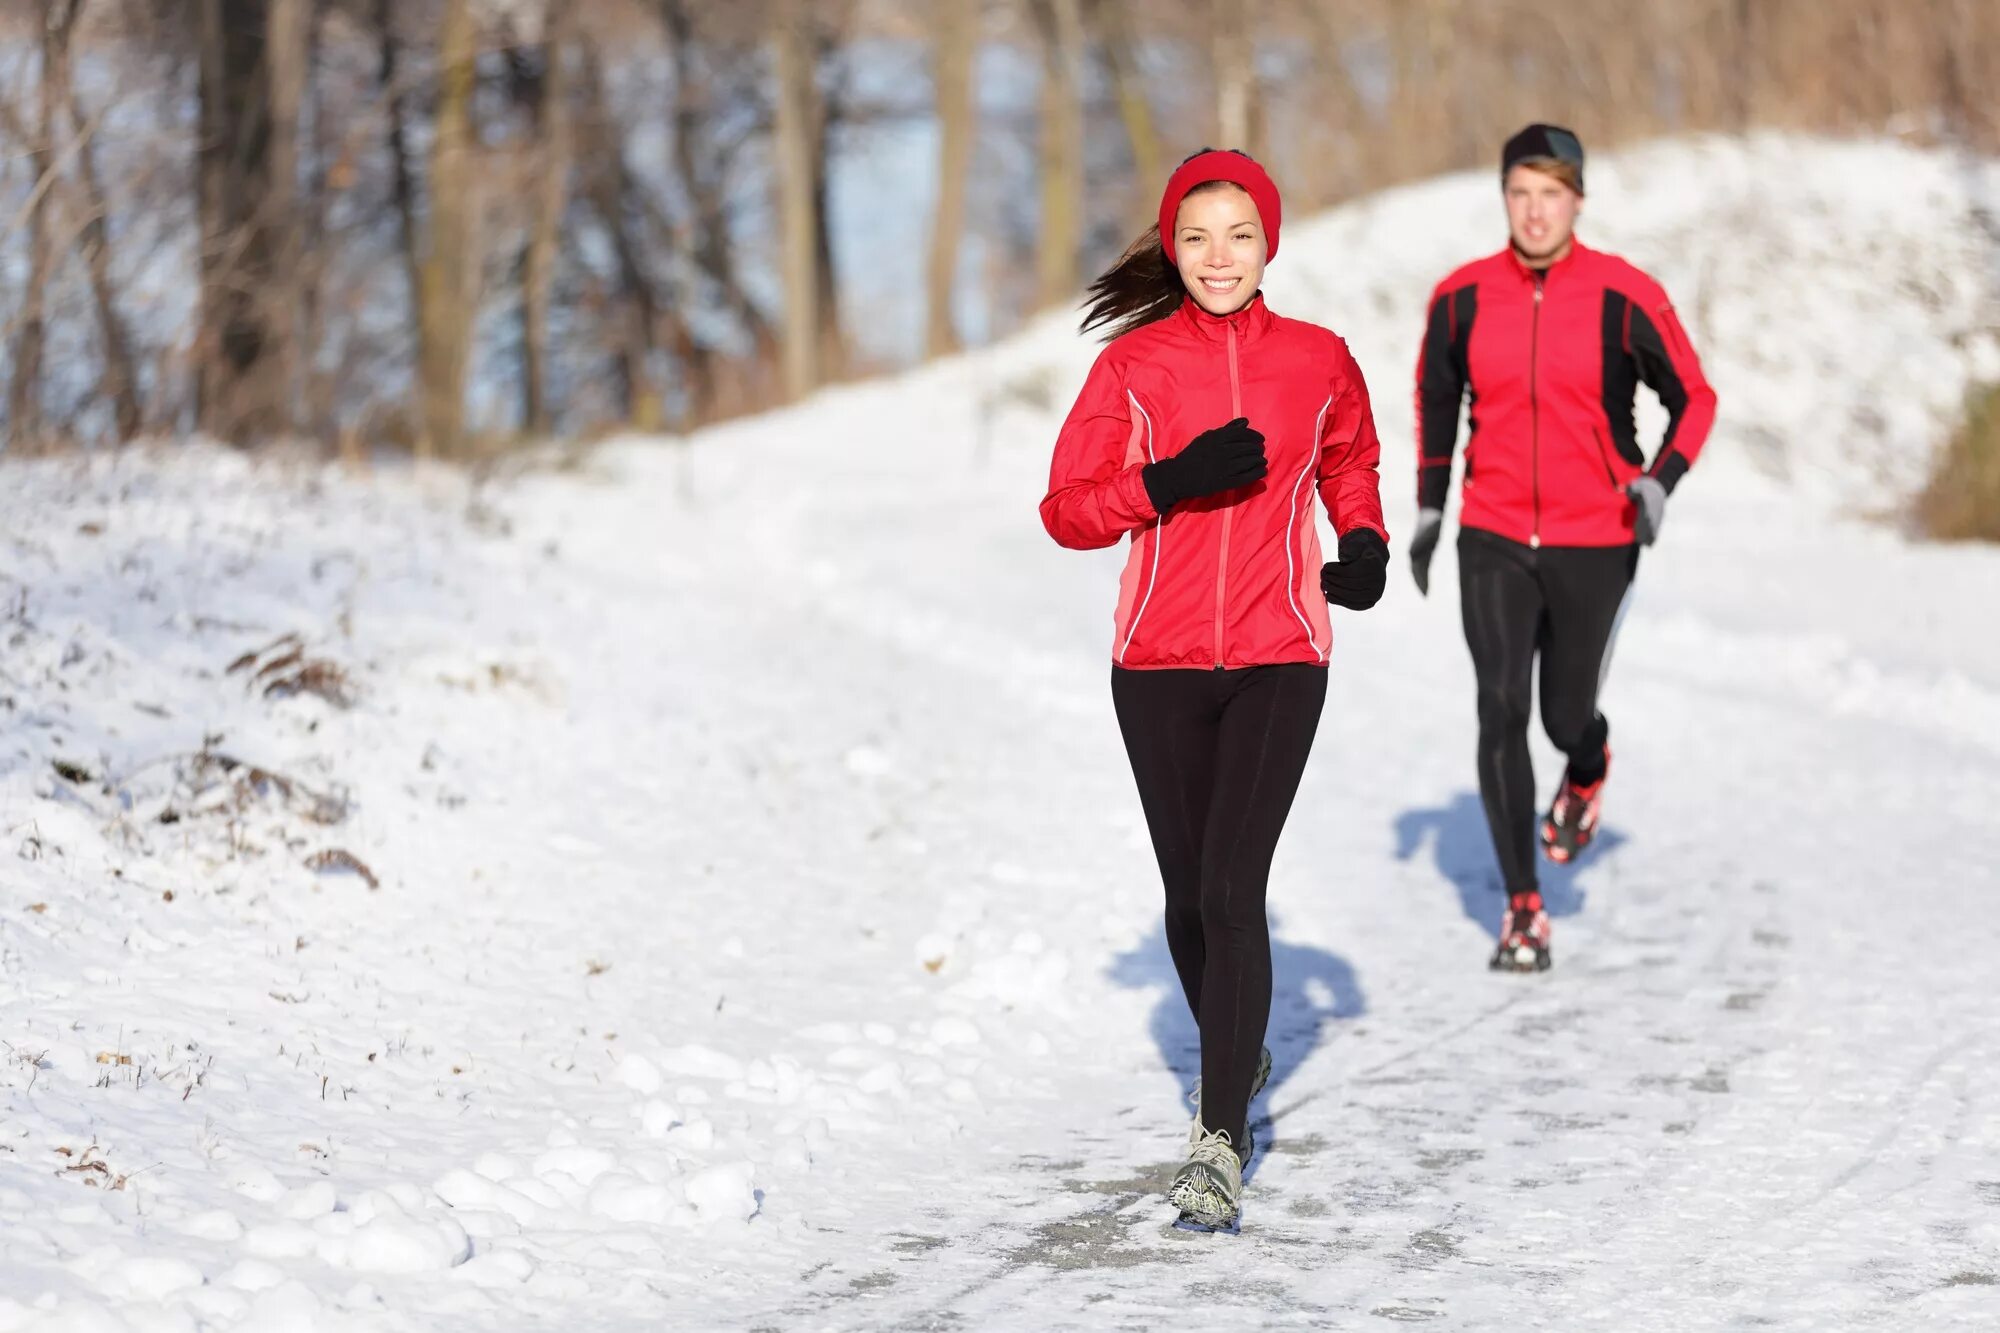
(338, 860)
(1962, 501)
(282, 668)
(209, 782)
(89, 1167)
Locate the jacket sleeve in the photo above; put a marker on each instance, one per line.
(1441, 380)
(1349, 484)
(1669, 367)
(1095, 495)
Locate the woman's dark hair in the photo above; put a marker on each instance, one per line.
(1142, 286)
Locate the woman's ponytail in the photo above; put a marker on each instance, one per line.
(1140, 288)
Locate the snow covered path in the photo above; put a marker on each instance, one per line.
(1759, 1082)
(767, 935)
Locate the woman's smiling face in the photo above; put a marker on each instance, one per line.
(1219, 247)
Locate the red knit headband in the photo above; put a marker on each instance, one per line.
(1221, 165)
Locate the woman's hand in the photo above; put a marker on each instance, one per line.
(1363, 572)
(1215, 460)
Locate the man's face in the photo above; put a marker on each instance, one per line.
(1541, 214)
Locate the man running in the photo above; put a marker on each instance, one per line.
(1552, 338)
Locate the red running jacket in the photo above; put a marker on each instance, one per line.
(1227, 580)
(1553, 360)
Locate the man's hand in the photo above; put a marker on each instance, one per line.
(1651, 500)
(1430, 526)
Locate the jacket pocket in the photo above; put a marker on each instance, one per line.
(1604, 455)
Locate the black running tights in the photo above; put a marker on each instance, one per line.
(1218, 756)
(1561, 603)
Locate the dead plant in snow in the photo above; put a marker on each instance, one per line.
(283, 669)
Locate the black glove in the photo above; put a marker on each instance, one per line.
(1215, 460)
(1363, 572)
(1649, 499)
(1430, 525)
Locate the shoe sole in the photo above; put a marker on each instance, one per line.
(1560, 849)
(1503, 962)
(1201, 1201)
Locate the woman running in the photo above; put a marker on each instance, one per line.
(1202, 433)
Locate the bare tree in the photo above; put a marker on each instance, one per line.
(955, 41)
(1113, 21)
(829, 111)
(336, 141)
(246, 212)
(56, 19)
(448, 265)
(1059, 248)
(551, 176)
(339, 139)
(635, 304)
(120, 379)
(1238, 108)
(287, 75)
(794, 136)
(403, 186)
(700, 246)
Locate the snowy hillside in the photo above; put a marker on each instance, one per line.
(703, 888)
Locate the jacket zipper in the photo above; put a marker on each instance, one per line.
(1535, 410)
(1228, 511)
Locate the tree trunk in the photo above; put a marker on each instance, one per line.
(402, 182)
(794, 139)
(120, 381)
(447, 264)
(704, 247)
(826, 290)
(610, 190)
(291, 35)
(243, 358)
(1135, 109)
(826, 31)
(1057, 253)
(1335, 153)
(24, 393)
(1427, 79)
(1967, 34)
(955, 43)
(1238, 112)
(318, 382)
(551, 197)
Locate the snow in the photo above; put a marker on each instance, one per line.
(639, 1074)
(763, 931)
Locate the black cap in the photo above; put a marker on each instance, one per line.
(1543, 141)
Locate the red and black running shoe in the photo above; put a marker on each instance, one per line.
(1524, 936)
(1571, 821)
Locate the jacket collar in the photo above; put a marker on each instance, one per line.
(1565, 265)
(1251, 322)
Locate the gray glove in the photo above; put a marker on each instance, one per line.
(1650, 498)
(1430, 526)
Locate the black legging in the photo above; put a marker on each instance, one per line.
(1218, 756)
(1561, 602)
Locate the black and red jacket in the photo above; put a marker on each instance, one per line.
(1553, 358)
